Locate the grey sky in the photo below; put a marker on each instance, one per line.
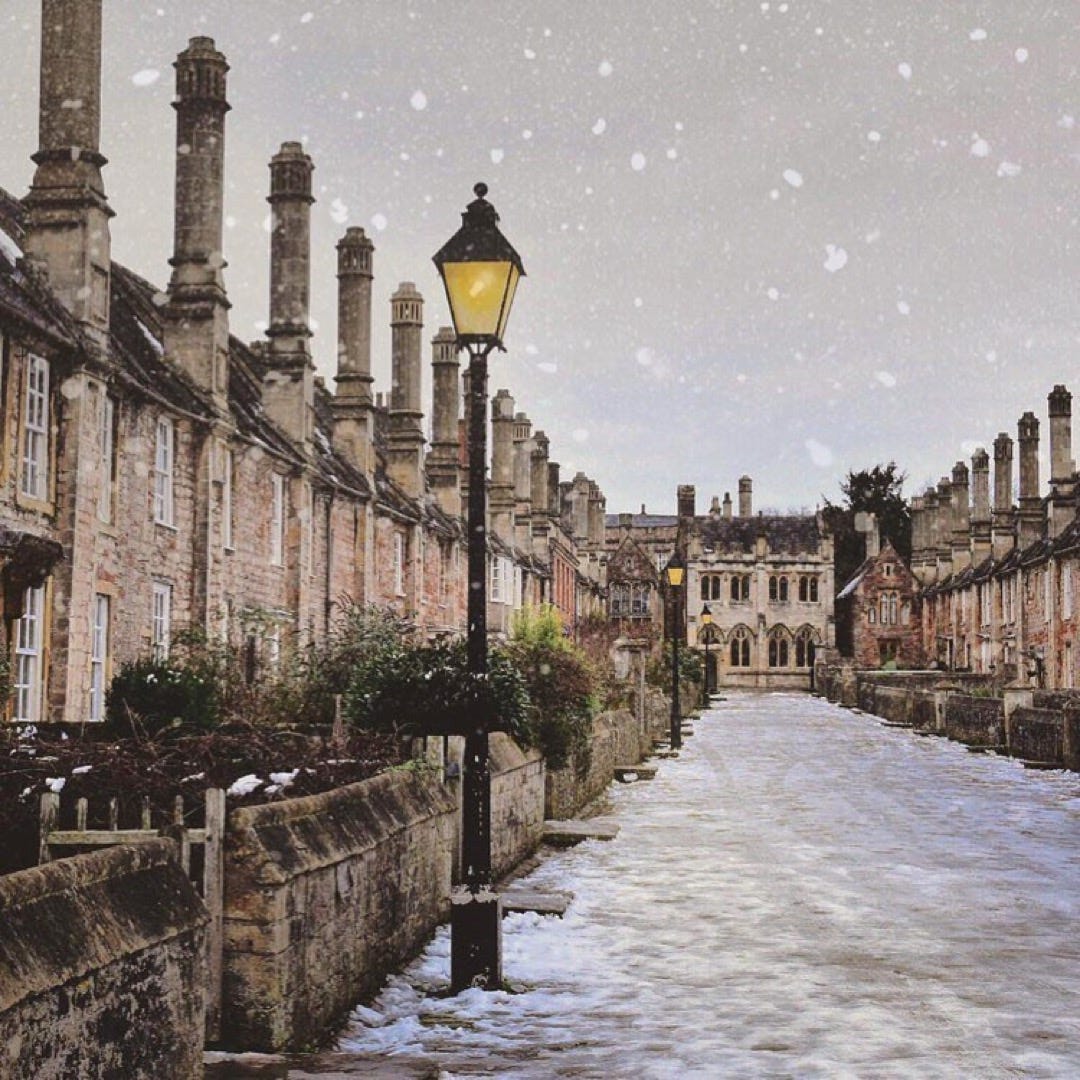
(783, 239)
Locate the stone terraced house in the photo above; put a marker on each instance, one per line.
(999, 578)
(157, 474)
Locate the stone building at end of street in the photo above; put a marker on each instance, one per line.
(766, 579)
(159, 474)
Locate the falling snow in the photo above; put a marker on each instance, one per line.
(835, 258)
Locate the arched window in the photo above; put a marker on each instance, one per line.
(704, 587)
(779, 654)
(740, 647)
(804, 641)
(813, 590)
(735, 587)
(734, 652)
(783, 590)
(773, 588)
(804, 589)
(717, 582)
(871, 615)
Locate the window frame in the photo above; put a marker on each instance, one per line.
(28, 676)
(277, 519)
(164, 472)
(161, 620)
(100, 642)
(35, 441)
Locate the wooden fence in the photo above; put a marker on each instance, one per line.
(211, 837)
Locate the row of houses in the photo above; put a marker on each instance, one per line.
(992, 582)
(159, 474)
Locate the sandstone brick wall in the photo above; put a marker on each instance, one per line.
(975, 721)
(325, 895)
(517, 803)
(1037, 734)
(102, 968)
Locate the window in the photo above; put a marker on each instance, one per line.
(1066, 591)
(778, 651)
(227, 499)
(107, 493)
(497, 580)
(99, 656)
(871, 614)
(629, 600)
(740, 587)
(164, 457)
(444, 571)
(804, 648)
(1048, 592)
(740, 648)
(35, 449)
(778, 589)
(161, 620)
(29, 639)
(808, 589)
(399, 564)
(277, 520)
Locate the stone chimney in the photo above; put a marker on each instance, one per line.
(597, 515)
(1031, 508)
(1003, 516)
(196, 325)
(686, 500)
(577, 496)
(746, 497)
(523, 449)
(67, 213)
(501, 500)
(727, 506)
(873, 535)
(541, 499)
(405, 438)
(944, 528)
(289, 383)
(961, 523)
(981, 547)
(443, 469)
(353, 404)
(1062, 466)
(918, 537)
(930, 533)
(554, 490)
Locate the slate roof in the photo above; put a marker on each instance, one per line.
(787, 533)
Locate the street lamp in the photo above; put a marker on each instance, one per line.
(480, 271)
(674, 572)
(706, 633)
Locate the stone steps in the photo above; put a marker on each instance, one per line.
(522, 900)
(627, 774)
(569, 833)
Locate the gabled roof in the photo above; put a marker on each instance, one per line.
(787, 533)
(630, 562)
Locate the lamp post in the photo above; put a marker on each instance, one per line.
(674, 573)
(706, 633)
(480, 271)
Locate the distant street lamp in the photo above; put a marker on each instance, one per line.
(674, 572)
(480, 271)
(706, 633)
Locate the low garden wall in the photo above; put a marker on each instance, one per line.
(517, 803)
(976, 721)
(324, 895)
(102, 967)
(1036, 734)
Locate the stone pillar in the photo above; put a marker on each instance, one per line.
(541, 499)
(597, 515)
(961, 522)
(980, 513)
(1003, 517)
(196, 317)
(442, 466)
(67, 213)
(1062, 466)
(554, 490)
(726, 511)
(289, 384)
(928, 559)
(746, 497)
(405, 439)
(1031, 509)
(943, 546)
(502, 466)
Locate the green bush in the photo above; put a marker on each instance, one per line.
(147, 696)
(691, 668)
(561, 684)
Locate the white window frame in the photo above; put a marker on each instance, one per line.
(496, 580)
(277, 520)
(108, 459)
(100, 633)
(1066, 591)
(29, 656)
(399, 564)
(164, 467)
(34, 480)
(161, 620)
(227, 500)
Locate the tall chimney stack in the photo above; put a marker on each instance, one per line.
(541, 499)
(686, 500)
(289, 384)
(961, 523)
(405, 440)
(197, 314)
(944, 528)
(1062, 466)
(67, 223)
(726, 511)
(980, 513)
(353, 404)
(746, 497)
(1003, 528)
(443, 469)
(523, 449)
(1031, 509)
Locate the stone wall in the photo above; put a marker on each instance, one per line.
(325, 895)
(102, 968)
(517, 803)
(1036, 734)
(974, 720)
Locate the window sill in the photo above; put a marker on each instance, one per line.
(167, 525)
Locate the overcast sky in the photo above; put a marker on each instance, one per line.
(782, 239)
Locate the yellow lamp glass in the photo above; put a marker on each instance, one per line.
(675, 576)
(706, 618)
(480, 295)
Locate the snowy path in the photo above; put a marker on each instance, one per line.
(804, 893)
